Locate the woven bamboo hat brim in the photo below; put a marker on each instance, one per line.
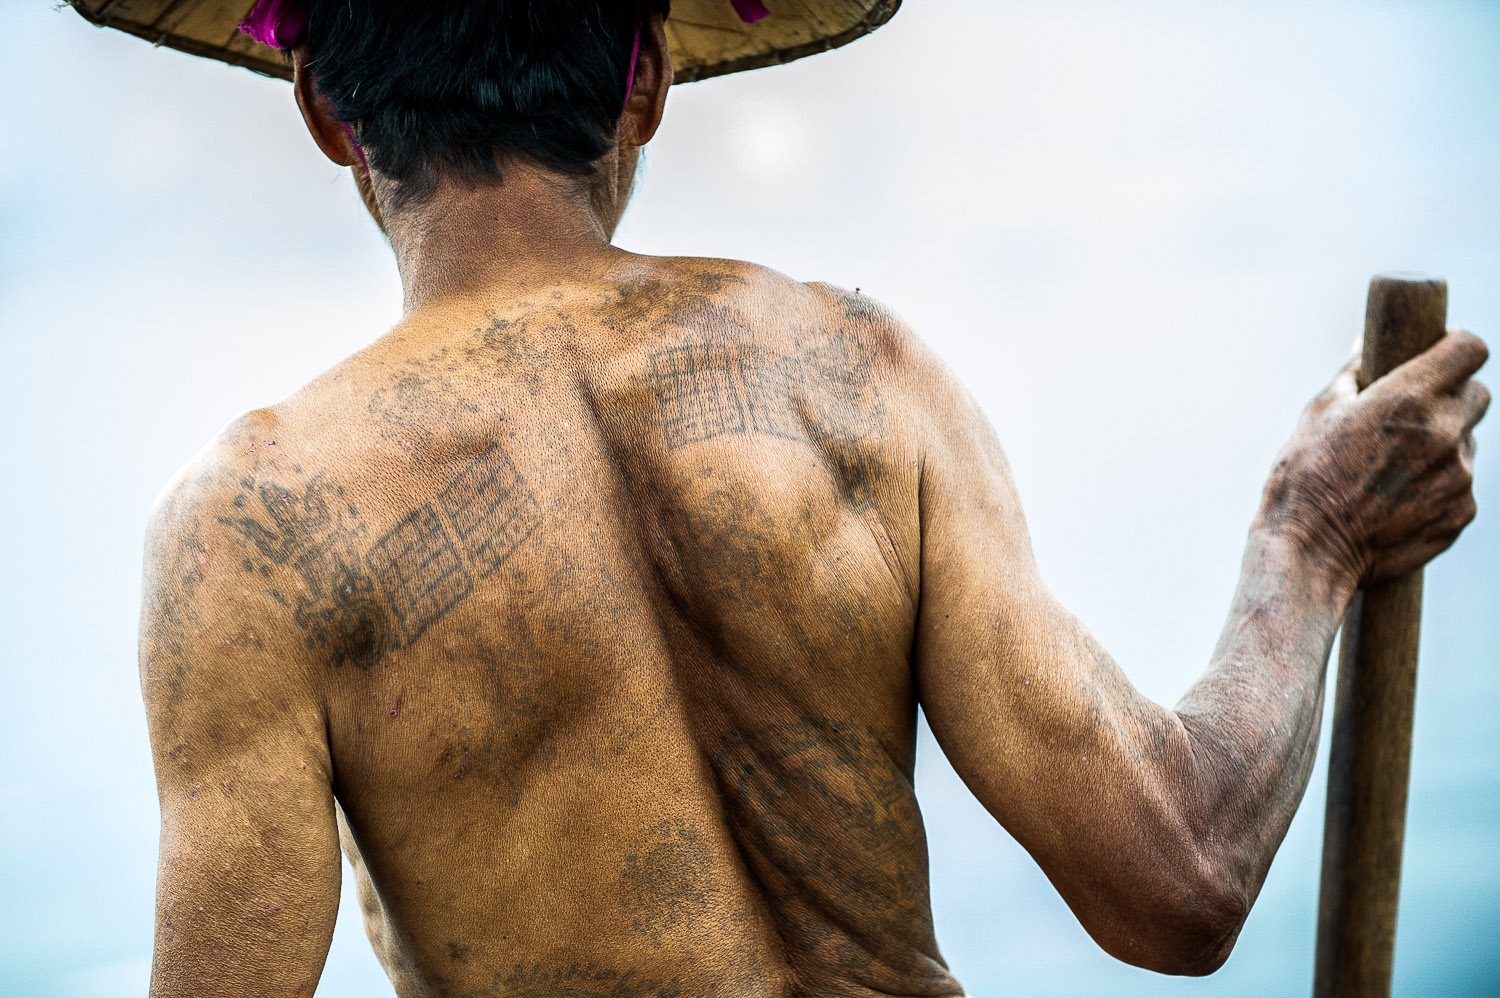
(707, 37)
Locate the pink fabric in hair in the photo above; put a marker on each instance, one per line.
(750, 11)
(277, 23)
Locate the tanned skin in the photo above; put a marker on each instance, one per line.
(591, 606)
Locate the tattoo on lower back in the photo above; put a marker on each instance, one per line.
(577, 980)
(670, 886)
(822, 396)
(828, 823)
(361, 599)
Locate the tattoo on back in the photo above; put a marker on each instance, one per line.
(491, 509)
(362, 598)
(576, 980)
(822, 396)
(828, 824)
(670, 887)
(698, 398)
(420, 571)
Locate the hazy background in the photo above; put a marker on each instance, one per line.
(1141, 233)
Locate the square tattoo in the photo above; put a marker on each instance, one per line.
(697, 397)
(772, 382)
(420, 571)
(491, 508)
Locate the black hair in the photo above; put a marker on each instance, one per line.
(458, 86)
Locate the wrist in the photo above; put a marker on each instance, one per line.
(1310, 561)
(1315, 530)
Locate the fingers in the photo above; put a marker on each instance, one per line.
(1456, 417)
(1447, 364)
(1474, 398)
(1426, 542)
(1472, 401)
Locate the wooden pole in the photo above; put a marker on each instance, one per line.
(1370, 759)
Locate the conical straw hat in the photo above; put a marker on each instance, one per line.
(707, 37)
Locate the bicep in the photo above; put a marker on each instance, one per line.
(248, 874)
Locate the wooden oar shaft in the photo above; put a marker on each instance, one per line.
(1370, 759)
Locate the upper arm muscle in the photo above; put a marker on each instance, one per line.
(249, 867)
(1085, 772)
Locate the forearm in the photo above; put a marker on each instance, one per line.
(1253, 719)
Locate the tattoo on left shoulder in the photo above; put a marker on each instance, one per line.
(491, 508)
(420, 571)
(822, 396)
(360, 598)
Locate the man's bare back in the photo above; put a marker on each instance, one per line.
(605, 600)
(599, 596)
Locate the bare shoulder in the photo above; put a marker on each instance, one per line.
(214, 635)
(945, 430)
(851, 341)
(189, 513)
(925, 395)
(889, 338)
(771, 302)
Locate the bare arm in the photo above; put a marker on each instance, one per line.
(248, 875)
(1158, 826)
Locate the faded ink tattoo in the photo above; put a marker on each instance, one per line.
(685, 302)
(577, 980)
(670, 886)
(829, 825)
(420, 571)
(732, 546)
(823, 396)
(491, 509)
(420, 397)
(509, 346)
(362, 598)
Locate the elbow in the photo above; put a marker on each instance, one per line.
(1184, 923)
(1199, 936)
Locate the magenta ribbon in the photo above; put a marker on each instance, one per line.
(277, 23)
(750, 11)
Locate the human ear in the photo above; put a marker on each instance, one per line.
(648, 93)
(331, 135)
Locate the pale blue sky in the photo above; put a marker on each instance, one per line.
(1140, 232)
